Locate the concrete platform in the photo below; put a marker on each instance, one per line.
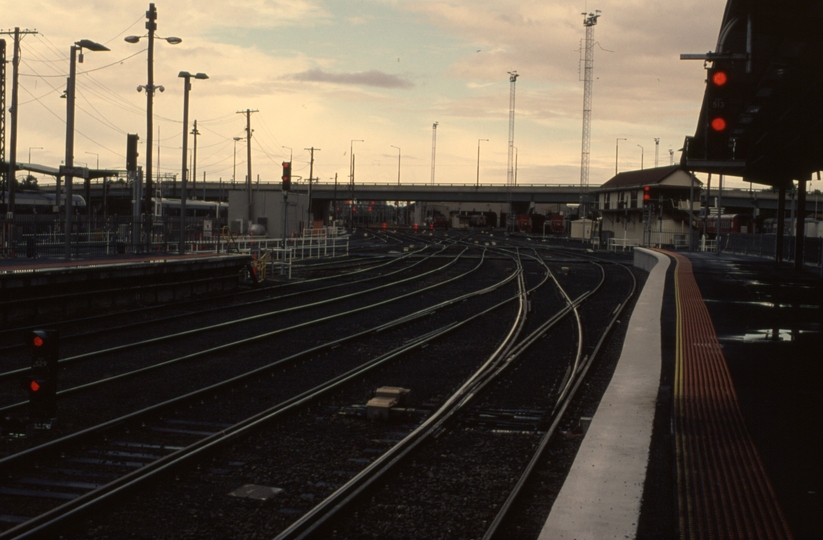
(767, 323)
(602, 495)
(32, 288)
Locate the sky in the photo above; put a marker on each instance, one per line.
(323, 74)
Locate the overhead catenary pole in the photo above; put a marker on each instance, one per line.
(15, 72)
(309, 220)
(250, 200)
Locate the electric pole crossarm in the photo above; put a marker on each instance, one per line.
(250, 201)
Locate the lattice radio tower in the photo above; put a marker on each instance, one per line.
(510, 175)
(588, 76)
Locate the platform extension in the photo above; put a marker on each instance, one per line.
(30, 289)
(710, 426)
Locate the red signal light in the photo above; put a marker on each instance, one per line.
(719, 78)
(37, 341)
(646, 193)
(718, 124)
(34, 386)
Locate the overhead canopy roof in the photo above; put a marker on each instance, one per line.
(774, 54)
(53, 171)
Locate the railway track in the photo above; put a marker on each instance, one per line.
(317, 392)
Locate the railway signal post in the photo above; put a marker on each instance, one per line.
(42, 382)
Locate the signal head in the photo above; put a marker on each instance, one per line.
(719, 78)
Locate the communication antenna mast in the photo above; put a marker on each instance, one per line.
(588, 70)
(510, 175)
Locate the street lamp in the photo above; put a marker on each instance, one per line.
(98, 158)
(398, 163)
(234, 165)
(70, 99)
(33, 148)
(151, 26)
(186, 76)
(641, 157)
(351, 181)
(478, 160)
(617, 151)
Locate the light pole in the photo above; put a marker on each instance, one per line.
(617, 151)
(434, 147)
(33, 148)
(642, 151)
(88, 187)
(351, 181)
(151, 26)
(70, 98)
(398, 163)
(478, 160)
(186, 76)
(194, 163)
(656, 150)
(234, 165)
(98, 158)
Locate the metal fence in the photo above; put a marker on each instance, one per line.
(45, 236)
(765, 245)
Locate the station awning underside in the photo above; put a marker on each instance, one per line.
(776, 49)
(54, 171)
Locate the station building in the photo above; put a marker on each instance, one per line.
(648, 207)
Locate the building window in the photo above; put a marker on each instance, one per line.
(634, 199)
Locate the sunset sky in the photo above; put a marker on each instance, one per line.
(323, 73)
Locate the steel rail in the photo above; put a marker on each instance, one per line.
(329, 507)
(234, 322)
(50, 519)
(560, 408)
(245, 341)
(211, 299)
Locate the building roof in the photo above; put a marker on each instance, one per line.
(645, 177)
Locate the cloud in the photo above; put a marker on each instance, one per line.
(361, 78)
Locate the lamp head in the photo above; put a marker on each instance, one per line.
(131, 39)
(174, 40)
(91, 45)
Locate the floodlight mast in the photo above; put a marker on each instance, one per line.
(589, 22)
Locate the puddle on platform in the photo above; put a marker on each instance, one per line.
(779, 334)
(775, 335)
(761, 304)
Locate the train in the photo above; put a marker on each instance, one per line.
(540, 224)
(34, 202)
(194, 208)
(729, 223)
(813, 228)
(745, 224)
